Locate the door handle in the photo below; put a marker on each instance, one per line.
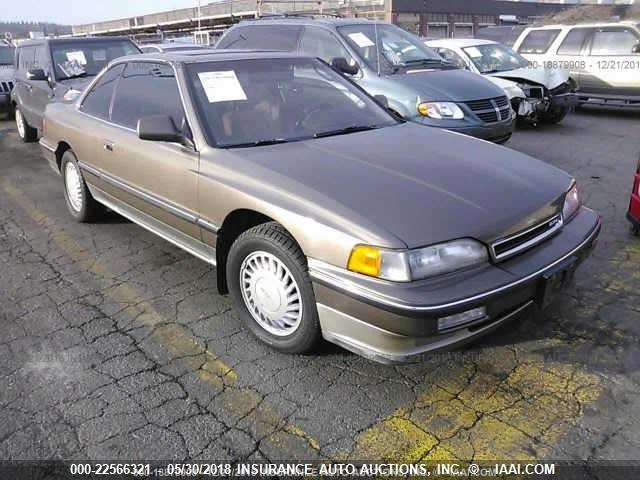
(108, 146)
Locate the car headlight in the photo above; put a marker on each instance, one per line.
(440, 110)
(572, 204)
(71, 94)
(513, 91)
(405, 266)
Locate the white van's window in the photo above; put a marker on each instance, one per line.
(572, 43)
(538, 41)
(613, 42)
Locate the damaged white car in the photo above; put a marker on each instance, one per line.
(537, 94)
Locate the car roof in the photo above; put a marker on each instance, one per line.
(40, 41)
(206, 55)
(302, 20)
(459, 42)
(624, 23)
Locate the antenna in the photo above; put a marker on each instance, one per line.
(375, 27)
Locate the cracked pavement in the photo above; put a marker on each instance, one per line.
(115, 345)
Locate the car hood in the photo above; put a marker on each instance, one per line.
(550, 78)
(447, 85)
(6, 73)
(510, 87)
(420, 184)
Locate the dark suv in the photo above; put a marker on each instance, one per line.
(6, 76)
(49, 70)
(385, 60)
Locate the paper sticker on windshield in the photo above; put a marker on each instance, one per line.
(473, 52)
(222, 86)
(78, 56)
(361, 39)
(99, 55)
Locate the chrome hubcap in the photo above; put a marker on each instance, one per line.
(270, 293)
(73, 183)
(20, 123)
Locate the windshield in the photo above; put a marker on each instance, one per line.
(252, 102)
(6, 55)
(396, 47)
(494, 58)
(80, 59)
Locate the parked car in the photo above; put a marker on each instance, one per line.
(170, 47)
(385, 60)
(325, 215)
(633, 214)
(603, 58)
(7, 53)
(55, 69)
(536, 93)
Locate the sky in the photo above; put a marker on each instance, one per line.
(72, 12)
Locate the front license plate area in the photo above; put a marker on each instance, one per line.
(554, 280)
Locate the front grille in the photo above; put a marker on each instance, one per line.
(6, 87)
(521, 241)
(491, 110)
(535, 92)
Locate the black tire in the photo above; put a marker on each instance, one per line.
(27, 133)
(555, 115)
(90, 210)
(275, 240)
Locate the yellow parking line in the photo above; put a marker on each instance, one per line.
(241, 404)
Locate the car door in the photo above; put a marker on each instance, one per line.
(23, 86)
(157, 178)
(41, 91)
(572, 53)
(614, 68)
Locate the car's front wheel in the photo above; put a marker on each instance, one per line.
(26, 133)
(554, 115)
(271, 289)
(80, 203)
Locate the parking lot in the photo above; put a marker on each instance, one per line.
(115, 344)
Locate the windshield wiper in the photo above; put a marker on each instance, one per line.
(257, 143)
(79, 75)
(343, 131)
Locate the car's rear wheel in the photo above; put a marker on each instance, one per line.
(271, 289)
(26, 133)
(80, 203)
(554, 115)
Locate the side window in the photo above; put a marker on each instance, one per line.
(98, 101)
(27, 59)
(538, 41)
(41, 58)
(265, 37)
(451, 56)
(613, 41)
(317, 42)
(146, 89)
(573, 42)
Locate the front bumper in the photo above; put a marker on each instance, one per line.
(5, 102)
(395, 323)
(493, 132)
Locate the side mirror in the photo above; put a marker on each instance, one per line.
(382, 100)
(635, 48)
(36, 74)
(341, 65)
(160, 128)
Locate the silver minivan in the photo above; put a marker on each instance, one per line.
(604, 58)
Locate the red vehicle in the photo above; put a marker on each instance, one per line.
(634, 204)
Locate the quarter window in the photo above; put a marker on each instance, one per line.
(572, 43)
(538, 41)
(98, 101)
(264, 37)
(146, 89)
(317, 42)
(613, 42)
